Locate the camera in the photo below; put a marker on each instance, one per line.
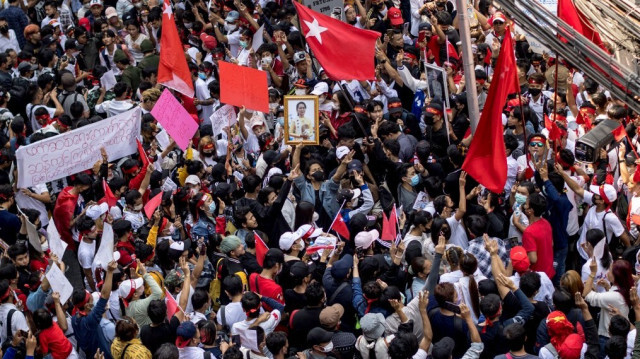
(588, 146)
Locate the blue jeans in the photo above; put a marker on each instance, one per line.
(559, 262)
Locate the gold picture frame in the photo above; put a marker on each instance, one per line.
(300, 130)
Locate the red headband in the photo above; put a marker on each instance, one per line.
(76, 308)
(42, 117)
(481, 81)
(434, 111)
(208, 146)
(410, 55)
(604, 197)
(62, 125)
(589, 110)
(130, 170)
(131, 291)
(394, 105)
(5, 295)
(535, 82)
(309, 232)
(359, 109)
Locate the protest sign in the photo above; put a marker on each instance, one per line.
(326, 7)
(243, 86)
(163, 139)
(258, 38)
(59, 283)
(223, 117)
(75, 151)
(56, 244)
(108, 80)
(175, 119)
(104, 255)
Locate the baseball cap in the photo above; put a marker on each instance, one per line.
(175, 278)
(330, 316)
(275, 254)
(186, 331)
(27, 66)
(208, 41)
(95, 3)
(361, 220)
(342, 151)
(363, 240)
(341, 267)
(287, 239)
(346, 194)
(299, 56)
(307, 231)
(299, 270)
(372, 325)
(519, 259)
(110, 12)
(443, 349)
(394, 105)
(96, 211)
(395, 16)
(232, 16)
(318, 336)
(499, 17)
(192, 179)
(320, 88)
(354, 165)
(128, 287)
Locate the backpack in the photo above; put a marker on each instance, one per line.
(21, 349)
(215, 288)
(616, 246)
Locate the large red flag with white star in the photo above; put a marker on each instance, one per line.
(344, 51)
(173, 70)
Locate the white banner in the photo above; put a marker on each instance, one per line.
(78, 150)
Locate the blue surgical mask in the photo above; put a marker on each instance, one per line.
(202, 75)
(212, 207)
(244, 44)
(520, 199)
(281, 121)
(415, 180)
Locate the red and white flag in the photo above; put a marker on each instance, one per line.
(340, 227)
(344, 51)
(173, 71)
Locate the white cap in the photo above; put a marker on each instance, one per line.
(287, 239)
(192, 179)
(320, 88)
(342, 151)
(363, 240)
(128, 287)
(605, 190)
(95, 2)
(97, 210)
(307, 231)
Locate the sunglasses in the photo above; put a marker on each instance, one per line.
(534, 144)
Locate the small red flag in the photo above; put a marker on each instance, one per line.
(340, 227)
(486, 159)
(172, 305)
(173, 71)
(143, 154)
(109, 198)
(619, 133)
(261, 249)
(389, 226)
(152, 205)
(584, 120)
(554, 131)
(344, 51)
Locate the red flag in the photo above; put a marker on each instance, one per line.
(172, 305)
(583, 119)
(143, 154)
(389, 225)
(340, 227)
(344, 51)
(243, 86)
(261, 248)
(152, 205)
(173, 71)
(574, 18)
(619, 133)
(554, 131)
(109, 198)
(486, 160)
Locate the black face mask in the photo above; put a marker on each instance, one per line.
(380, 6)
(428, 119)
(207, 154)
(4, 29)
(534, 92)
(318, 175)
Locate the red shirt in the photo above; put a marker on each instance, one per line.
(538, 237)
(266, 287)
(53, 340)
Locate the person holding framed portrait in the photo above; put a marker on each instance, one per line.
(301, 120)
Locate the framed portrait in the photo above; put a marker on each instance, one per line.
(301, 123)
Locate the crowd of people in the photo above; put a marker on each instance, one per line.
(373, 243)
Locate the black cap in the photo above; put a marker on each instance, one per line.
(436, 105)
(157, 176)
(121, 226)
(318, 336)
(222, 189)
(299, 270)
(270, 156)
(361, 221)
(48, 40)
(275, 254)
(443, 349)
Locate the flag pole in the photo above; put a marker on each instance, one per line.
(334, 218)
(468, 66)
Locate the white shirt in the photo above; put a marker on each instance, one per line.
(86, 252)
(233, 314)
(191, 353)
(114, 107)
(604, 300)
(24, 201)
(18, 321)
(31, 110)
(601, 273)
(202, 94)
(269, 325)
(594, 219)
(10, 42)
(136, 53)
(545, 293)
(458, 236)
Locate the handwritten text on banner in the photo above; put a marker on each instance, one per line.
(78, 150)
(175, 119)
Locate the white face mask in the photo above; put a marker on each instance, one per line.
(138, 208)
(229, 27)
(301, 244)
(45, 246)
(328, 348)
(267, 60)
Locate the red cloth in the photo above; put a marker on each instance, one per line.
(486, 160)
(261, 249)
(389, 226)
(54, 341)
(538, 237)
(39, 264)
(143, 154)
(172, 305)
(109, 198)
(568, 12)
(173, 71)
(619, 133)
(554, 131)
(63, 214)
(221, 225)
(340, 227)
(434, 46)
(127, 253)
(152, 205)
(236, 80)
(136, 181)
(266, 287)
(344, 52)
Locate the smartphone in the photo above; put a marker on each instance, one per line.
(405, 28)
(421, 36)
(236, 340)
(451, 307)
(513, 241)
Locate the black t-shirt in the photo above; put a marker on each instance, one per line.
(154, 337)
(294, 300)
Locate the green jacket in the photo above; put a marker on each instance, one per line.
(149, 61)
(131, 76)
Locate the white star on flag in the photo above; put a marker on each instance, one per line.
(315, 29)
(167, 10)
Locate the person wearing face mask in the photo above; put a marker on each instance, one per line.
(87, 249)
(208, 215)
(244, 42)
(8, 39)
(517, 198)
(537, 101)
(264, 282)
(267, 62)
(436, 132)
(133, 210)
(320, 344)
(131, 291)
